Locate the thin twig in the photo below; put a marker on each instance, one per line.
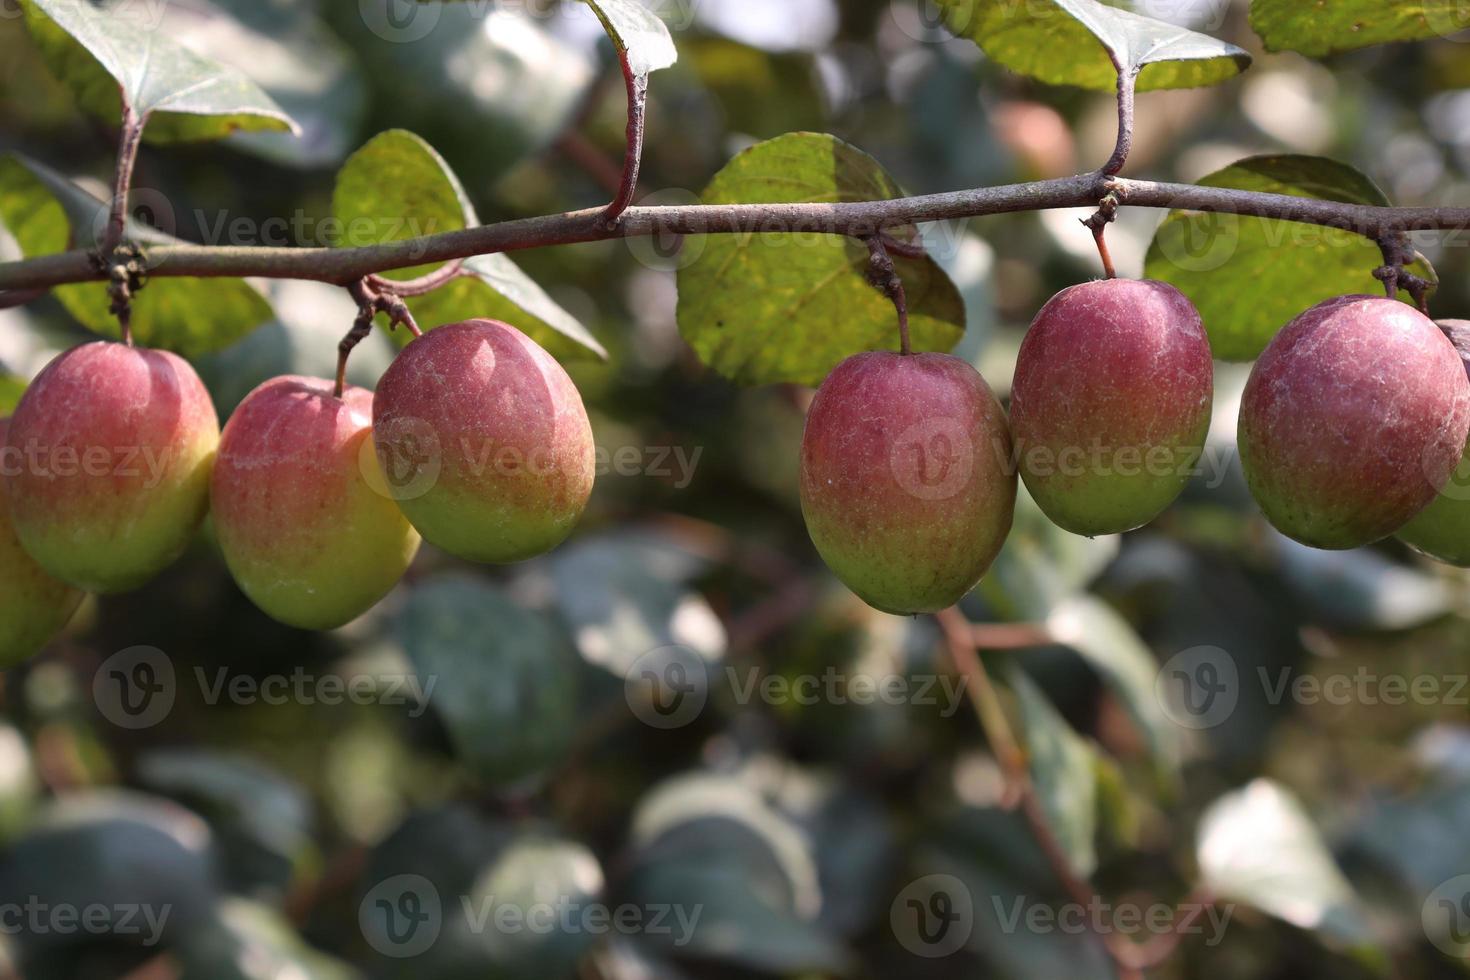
(1020, 793)
(637, 85)
(421, 286)
(1127, 91)
(19, 297)
(859, 219)
(884, 274)
(122, 181)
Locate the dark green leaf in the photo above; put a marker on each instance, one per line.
(1114, 649)
(46, 212)
(637, 31)
(504, 679)
(1069, 42)
(766, 306)
(1320, 29)
(1283, 266)
(397, 187)
(250, 941)
(96, 50)
(1063, 768)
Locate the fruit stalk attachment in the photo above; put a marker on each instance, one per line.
(1107, 213)
(371, 302)
(1399, 252)
(883, 274)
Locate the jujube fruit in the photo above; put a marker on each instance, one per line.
(485, 441)
(905, 479)
(115, 446)
(1352, 420)
(1442, 530)
(33, 605)
(301, 520)
(1111, 403)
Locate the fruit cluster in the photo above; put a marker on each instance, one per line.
(476, 439)
(1351, 426)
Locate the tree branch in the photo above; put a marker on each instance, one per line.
(637, 85)
(857, 219)
(122, 181)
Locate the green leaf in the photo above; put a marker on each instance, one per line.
(1258, 846)
(1285, 267)
(11, 388)
(46, 213)
(397, 187)
(1064, 769)
(638, 32)
(97, 50)
(1321, 29)
(766, 306)
(1114, 649)
(504, 679)
(1069, 42)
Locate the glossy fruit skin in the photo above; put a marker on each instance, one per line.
(33, 606)
(117, 445)
(905, 478)
(299, 512)
(1111, 403)
(485, 441)
(1353, 418)
(1442, 530)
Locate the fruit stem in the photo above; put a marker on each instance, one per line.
(637, 85)
(1107, 212)
(1399, 252)
(883, 274)
(371, 302)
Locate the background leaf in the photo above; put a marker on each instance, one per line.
(639, 32)
(1066, 42)
(47, 213)
(1064, 772)
(397, 187)
(767, 306)
(1285, 267)
(1318, 30)
(186, 96)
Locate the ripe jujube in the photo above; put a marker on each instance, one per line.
(1111, 403)
(1442, 530)
(298, 508)
(1353, 419)
(33, 605)
(113, 447)
(905, 483)
(485, 441)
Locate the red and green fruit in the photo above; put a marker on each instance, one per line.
(305, 531)
(485, 442)
(905, 479)
(1354, 418)
(33, 605)
(1111, 403)
(114, 447)
(1442, 530)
